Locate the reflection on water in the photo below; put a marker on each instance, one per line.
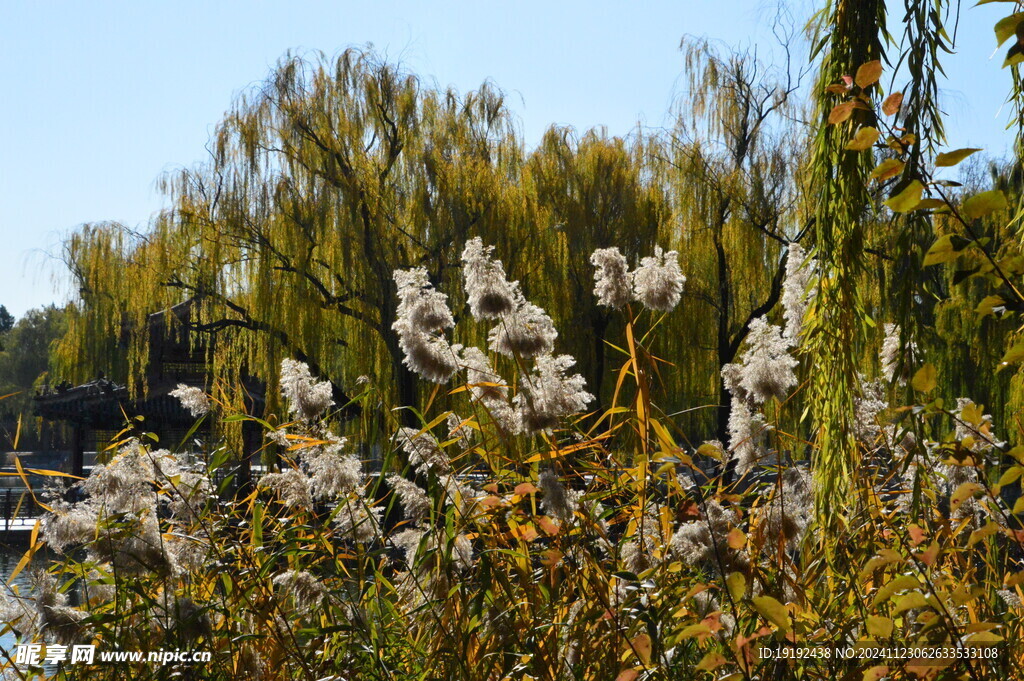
(9, 558)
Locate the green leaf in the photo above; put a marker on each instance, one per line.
(941, 251)
(773, 611)
(906, 200)
(1007, 26)
(951, 158)
(983, 204)
(925, 379)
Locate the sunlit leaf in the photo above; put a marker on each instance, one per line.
(864, 138)
(892, 103)
(711, 661)
(868, 73)
(890, 167)
(963, 493)
(737, 585)
(840, 113)
(951, 158)
(642, 646)
(983, 204)
(1007, 26)
(907, 199)
(773, 611)
(940, 252)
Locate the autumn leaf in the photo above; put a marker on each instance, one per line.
(925, 379)
(879, 626)
(642, 647)
(840, 113)
(892, 103)
(864, 138)
(983, 204)
(951, 158)
(868, 73)
(773, 611)
(906, 200)
(890, 167)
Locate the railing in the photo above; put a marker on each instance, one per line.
(17, 508)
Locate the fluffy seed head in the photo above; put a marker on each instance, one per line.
(193, 399)
(767, 364)
(658, 281)
(490, 294)
(548, 395)
(526, 332)
(307, 398)
(612, 280)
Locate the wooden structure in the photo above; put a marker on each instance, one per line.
(101, 408)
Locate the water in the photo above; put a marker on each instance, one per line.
(9, 557)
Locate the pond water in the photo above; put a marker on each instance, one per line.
(9, 557)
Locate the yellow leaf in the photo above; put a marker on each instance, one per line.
(773, 611)
(941, 251)
(925, 379)
(930, 204)
(879, 626)
(973, 414)
(988, 304)
(868, 73)
(890, 167)
(642, 647)
(983, 204)
(988, 530)
(710, 450)
(1006, 27)
(951, 158)
(627, 675)
(914, 599)
(906, 200)
(694, 630)
(711, 661)
(876, 673)
(864, 138)
(963, 493)
(737, 585)
(901, 583)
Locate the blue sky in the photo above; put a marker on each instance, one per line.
(102, 97)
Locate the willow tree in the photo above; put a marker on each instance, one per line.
(321, 183)
(731, 163)
(588, 193)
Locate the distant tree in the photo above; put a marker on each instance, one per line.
(6, 320)
(6, 324)
(24, 365)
